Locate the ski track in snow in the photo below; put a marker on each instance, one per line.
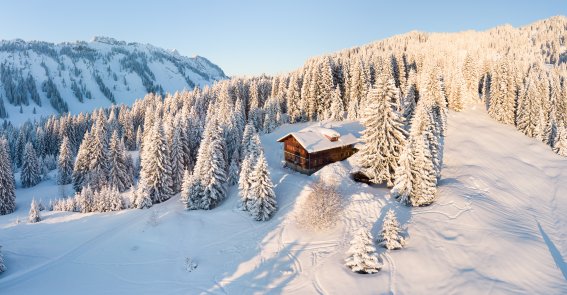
(70, 255)
(392, 272)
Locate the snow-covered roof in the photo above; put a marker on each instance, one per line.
(318, 138)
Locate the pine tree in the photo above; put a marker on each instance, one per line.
(249, 131)
(403, 178)
(215, 177)
(528, 110)
(234, 168)
(409, 103)
(108, 199)
(3, 267)
(98, 156)
(177, 166)
(262, 199)
(362, 256)
(502, 94)
(85, 200)
(120, 175)
(208, 182)
(337, 109)
(156, 165)
(425, 181)
(390, 235)
(244, 182)
(139, 137)
(191, 192)
(31, 173)
(142, 197)
(65, 163)
(7, 189)
(384, 134)
(560, 141)
(293, 98)
(185, 187)
(81, 165)
(33, 215)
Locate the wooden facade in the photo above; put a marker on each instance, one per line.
(299, 159)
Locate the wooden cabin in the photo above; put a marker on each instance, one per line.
(312, 148)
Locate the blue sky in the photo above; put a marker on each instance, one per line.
(253, 37)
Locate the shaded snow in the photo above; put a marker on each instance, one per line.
(497, 227)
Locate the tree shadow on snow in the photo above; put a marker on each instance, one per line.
(270, 274)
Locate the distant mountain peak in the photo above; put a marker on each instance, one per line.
(41, 78)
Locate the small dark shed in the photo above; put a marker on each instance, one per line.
(312, 148)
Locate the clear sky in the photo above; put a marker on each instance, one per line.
(253, 37)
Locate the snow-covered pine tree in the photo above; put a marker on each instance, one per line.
(271, 109)
(426, 122)
(121, 174)
(108, 199)
(325, 87)
(214, 179)
(177, 161)
(85, 200)
(82, 161)
(529, 105)
(362, 256)
(425, 181)
(337, 109)
(234, 168)
(384, 135)
(139, 137)
(191, 191)
(33, 215)
(142, 198)
(3, 267)
(7, 188)
(293, 98)
(262, 199)
(249, 130)
(390, 235)
(403, 178)
(99, 160)
(409, 101)
(502, 94)
(208, 182)
(185, 187)
(65, 163)
(156, 165)
(31, 173)
(244, 182)
(560, 141)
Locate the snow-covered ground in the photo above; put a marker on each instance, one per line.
(498, 226)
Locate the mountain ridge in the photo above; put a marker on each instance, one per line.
(39, 78)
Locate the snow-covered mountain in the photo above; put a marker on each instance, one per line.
(40, 78)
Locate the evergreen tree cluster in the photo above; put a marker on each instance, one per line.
(106, 199)
(7, 183)
(407, 82)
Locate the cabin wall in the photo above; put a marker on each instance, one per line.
(322, 158)
(295, 154)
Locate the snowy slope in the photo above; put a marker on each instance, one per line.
(498, 227)
(127, 70)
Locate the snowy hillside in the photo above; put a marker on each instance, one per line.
(497, 227)
(39, 78)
